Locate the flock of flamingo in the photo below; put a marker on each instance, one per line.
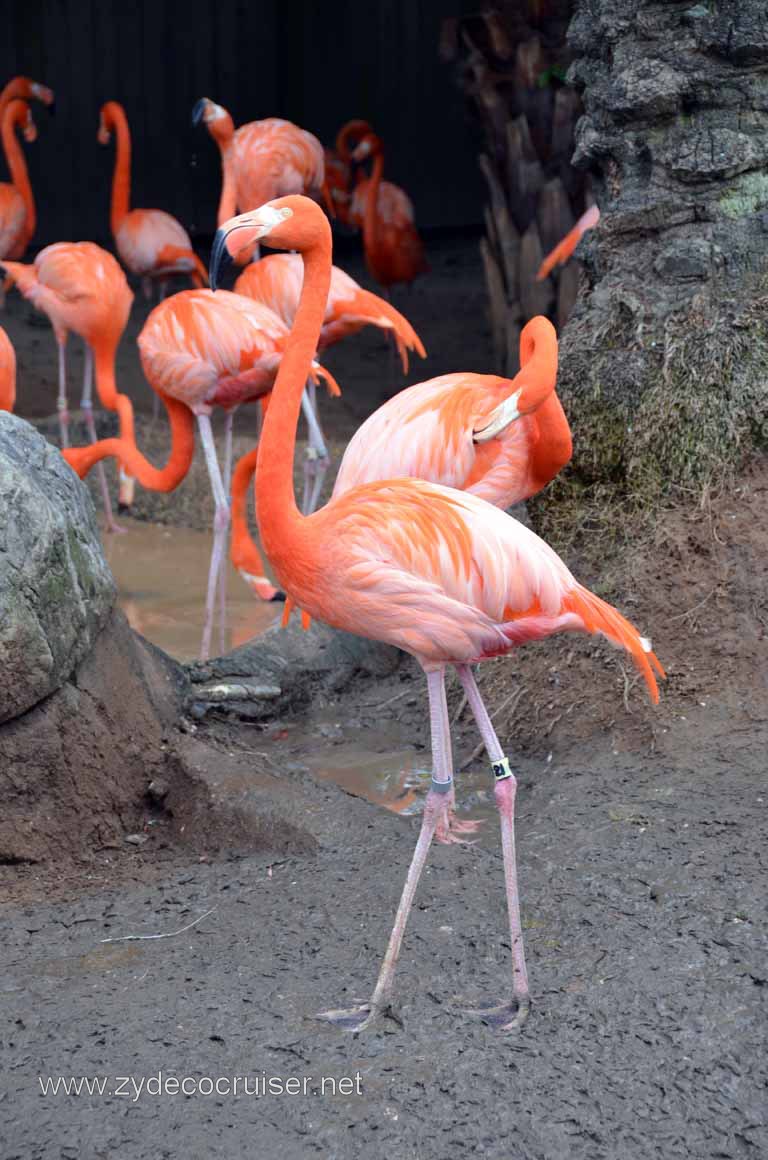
(414, 548)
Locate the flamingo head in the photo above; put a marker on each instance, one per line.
(286, 223)
(370, 146)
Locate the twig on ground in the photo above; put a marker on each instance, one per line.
(168, 934)
(390, 701)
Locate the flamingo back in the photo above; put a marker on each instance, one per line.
(144, 234)
(393, 205)
(211, 349)
(273, 158)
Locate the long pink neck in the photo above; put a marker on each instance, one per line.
(15, 114)
(371, 219)
(280, 522)
(121, 178)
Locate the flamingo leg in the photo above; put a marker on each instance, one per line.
(356, 1018)
(86, 405)
(220, 529)
(61, 401)
(317, 458)
(511, 1015)
(228, 423)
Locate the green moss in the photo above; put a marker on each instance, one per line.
(746, 195)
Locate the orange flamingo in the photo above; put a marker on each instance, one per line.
(437, 572)
(500, 439)
(17, 206)
(394, 252)
(261, 159)
(339, 170)
(151, 243)
(7, 372)
(82, 288)
(565, 247)
(201, 351)
(27, 90)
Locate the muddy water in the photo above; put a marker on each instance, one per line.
(162, 575)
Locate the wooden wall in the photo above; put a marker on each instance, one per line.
(317, 62)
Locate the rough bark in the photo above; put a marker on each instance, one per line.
(511, 59)
(664, 363)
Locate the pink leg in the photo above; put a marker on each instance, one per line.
(220, 528)
(317, 458)
(356, 1018)
(228, 422)
(513, 1014)
(86, 404)
(61, 402)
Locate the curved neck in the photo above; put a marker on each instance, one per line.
(121, 178)
(16, 87)
(182, 424)
(14, 156)
(537, 376)
(279, 518)
(371, 218)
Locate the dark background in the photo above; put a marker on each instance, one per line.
(316, 63)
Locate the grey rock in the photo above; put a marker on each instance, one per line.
(56, 590)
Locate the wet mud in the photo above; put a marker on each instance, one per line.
(641, 845)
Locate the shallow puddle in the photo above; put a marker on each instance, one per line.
(162, 576)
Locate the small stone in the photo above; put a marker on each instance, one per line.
(136, 839)
(158, 789)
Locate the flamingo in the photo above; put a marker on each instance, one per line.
(151, 243)
(27, 90)
(200, 351)
(339, 167)
(17, 206)
(82, 288)
(7, 372)
(261, 159)
(276, 281)
(439, 573)
(565, 247)
(394, 252)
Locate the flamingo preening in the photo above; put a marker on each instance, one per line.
(82, 288)
(439, 573)
(151, 243)
(200, 351)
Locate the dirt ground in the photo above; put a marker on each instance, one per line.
(642, 843)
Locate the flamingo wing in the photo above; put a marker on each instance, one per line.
(13, 214)
(143, 236)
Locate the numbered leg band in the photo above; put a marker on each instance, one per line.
(501, 770)
(442, 786)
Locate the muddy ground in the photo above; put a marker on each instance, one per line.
(642, 863)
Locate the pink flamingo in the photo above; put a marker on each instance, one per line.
(7, 372)
(437, 572)
(151, 243)
(17, 206)
(82, 288)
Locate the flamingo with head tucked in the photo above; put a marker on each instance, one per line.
(437, 572)
(82, 288)
(151, 243)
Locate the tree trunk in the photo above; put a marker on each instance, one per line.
(664, 363)
(511, 59)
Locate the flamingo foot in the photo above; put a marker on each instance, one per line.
(356, 1019)
(509, 1016)
(113, 528)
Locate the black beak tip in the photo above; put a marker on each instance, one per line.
(279, 596)
(219, 259)
(198, 111)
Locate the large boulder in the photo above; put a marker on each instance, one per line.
(56, 590)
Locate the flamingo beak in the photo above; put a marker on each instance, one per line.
(259, 223)
(199, 111)
(500, 418)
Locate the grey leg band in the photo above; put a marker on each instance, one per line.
(501, 770)
(442, 786)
